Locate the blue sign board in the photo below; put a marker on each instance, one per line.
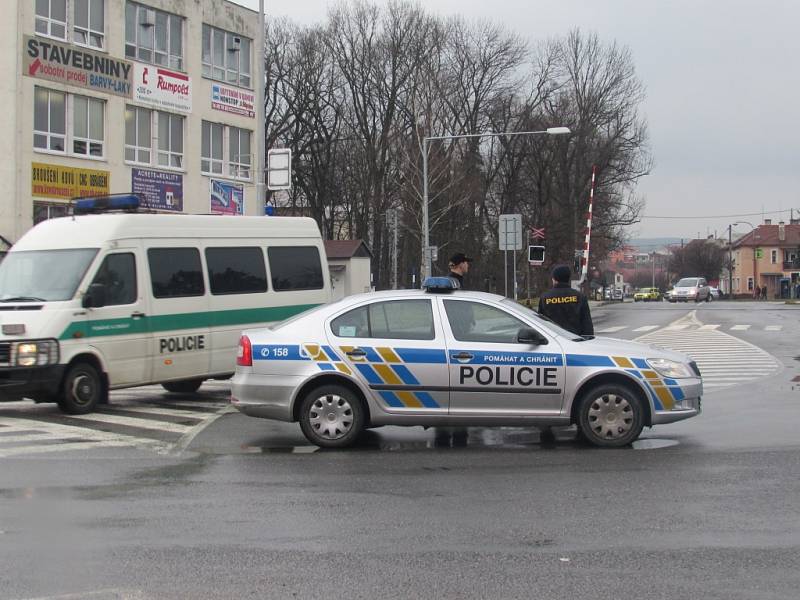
(158, 190)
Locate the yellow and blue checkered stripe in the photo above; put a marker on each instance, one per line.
(665, 392)
(387, 366)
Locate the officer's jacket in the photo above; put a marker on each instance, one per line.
(568, 308)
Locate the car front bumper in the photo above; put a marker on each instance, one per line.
(38, 383)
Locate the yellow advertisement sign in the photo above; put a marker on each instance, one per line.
(55, 181)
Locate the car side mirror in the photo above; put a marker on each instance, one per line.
(95, 296)
(526, 335)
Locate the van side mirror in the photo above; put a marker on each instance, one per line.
(95, 296)
(526, 335)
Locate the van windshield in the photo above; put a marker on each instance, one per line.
(43, 275)
(687, 282)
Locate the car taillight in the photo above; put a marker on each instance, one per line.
(244, 355)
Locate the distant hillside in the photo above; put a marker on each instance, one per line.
(645, 245)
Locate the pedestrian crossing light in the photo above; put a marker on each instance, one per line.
(536, 255)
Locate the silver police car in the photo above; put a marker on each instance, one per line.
(445, 357)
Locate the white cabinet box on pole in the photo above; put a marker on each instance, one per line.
(279, 169)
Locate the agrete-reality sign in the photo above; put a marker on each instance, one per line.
(54, 61)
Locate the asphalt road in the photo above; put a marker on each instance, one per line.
(234, 507)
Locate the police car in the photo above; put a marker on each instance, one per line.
(447, 357)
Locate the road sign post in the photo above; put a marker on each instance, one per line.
(279, 169)
(510, 237)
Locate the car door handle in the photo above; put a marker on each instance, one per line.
(137, 315)
(462, 356)
(356, 352)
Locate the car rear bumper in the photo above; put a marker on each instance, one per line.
(264, 396)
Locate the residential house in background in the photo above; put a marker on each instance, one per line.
(768, 256)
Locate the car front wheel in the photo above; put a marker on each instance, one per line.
(332, 416)
(82, 390)
(610, 416)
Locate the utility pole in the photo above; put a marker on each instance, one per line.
(730, 261)
(654, 269)
(261, 113)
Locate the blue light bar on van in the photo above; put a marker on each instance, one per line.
(441, 285)
(112, 202)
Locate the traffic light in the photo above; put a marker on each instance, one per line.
(536, 254)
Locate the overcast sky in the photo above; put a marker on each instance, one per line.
(722, 79)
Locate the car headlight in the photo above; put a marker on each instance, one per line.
(35, 353)
(670, 368)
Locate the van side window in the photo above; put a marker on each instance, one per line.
(118, 274)
(175, 272)
(236, 270)
(295, 268)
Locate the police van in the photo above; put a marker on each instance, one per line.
(113, 298)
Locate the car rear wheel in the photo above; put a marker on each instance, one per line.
(82, 390)
(332, 416)
(184, 386)
(610, 416)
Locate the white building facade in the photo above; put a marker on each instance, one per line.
(154, 97)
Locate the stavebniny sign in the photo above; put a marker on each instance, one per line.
(54, 61)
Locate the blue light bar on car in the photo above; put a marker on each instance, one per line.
(112, 202)
(440, 285)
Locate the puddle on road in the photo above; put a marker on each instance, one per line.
(405, 440)
(653, 444)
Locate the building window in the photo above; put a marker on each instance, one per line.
(51, 18)
(170, 140)
(49, 120)
(219, 141)
(749, 284)
(774, 256)
(48, 210)
(89, 26)
(239, 153)
(153, 36)
(226, 56)
(87, 126)
(138, 136)
(211, 148)
(141, 148)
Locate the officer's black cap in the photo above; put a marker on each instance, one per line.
(562, 273)
(458, 258)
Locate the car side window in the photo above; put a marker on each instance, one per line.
(118, 275)
(395, 319)
(476, 322)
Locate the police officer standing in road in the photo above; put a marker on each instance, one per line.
(565, 306)
(459, 266)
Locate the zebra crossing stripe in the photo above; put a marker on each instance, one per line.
(612, 329)
(740, 327)
(646, 328)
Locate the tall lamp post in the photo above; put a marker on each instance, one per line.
(425, 224)
(755, 267)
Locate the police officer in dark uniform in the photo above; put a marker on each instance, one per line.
(568, 308)
(459, 266)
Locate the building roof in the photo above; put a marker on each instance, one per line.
(338, 249)
(767, 235)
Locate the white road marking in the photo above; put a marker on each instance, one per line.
(773, 327)
(612, 329)
(141, 423)
(646, 328)
(723, 360)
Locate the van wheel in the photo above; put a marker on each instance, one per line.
(184, 386)
(82, 390)
(331, 416)
(610, 416)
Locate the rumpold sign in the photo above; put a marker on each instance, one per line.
(48, 59)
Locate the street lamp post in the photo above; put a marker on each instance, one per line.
(425, 222)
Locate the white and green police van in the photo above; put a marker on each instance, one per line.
(104, 300)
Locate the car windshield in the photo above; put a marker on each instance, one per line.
(687, 282)
(550, 325)
(43, 275)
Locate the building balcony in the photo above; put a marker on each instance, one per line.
(791, 265)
